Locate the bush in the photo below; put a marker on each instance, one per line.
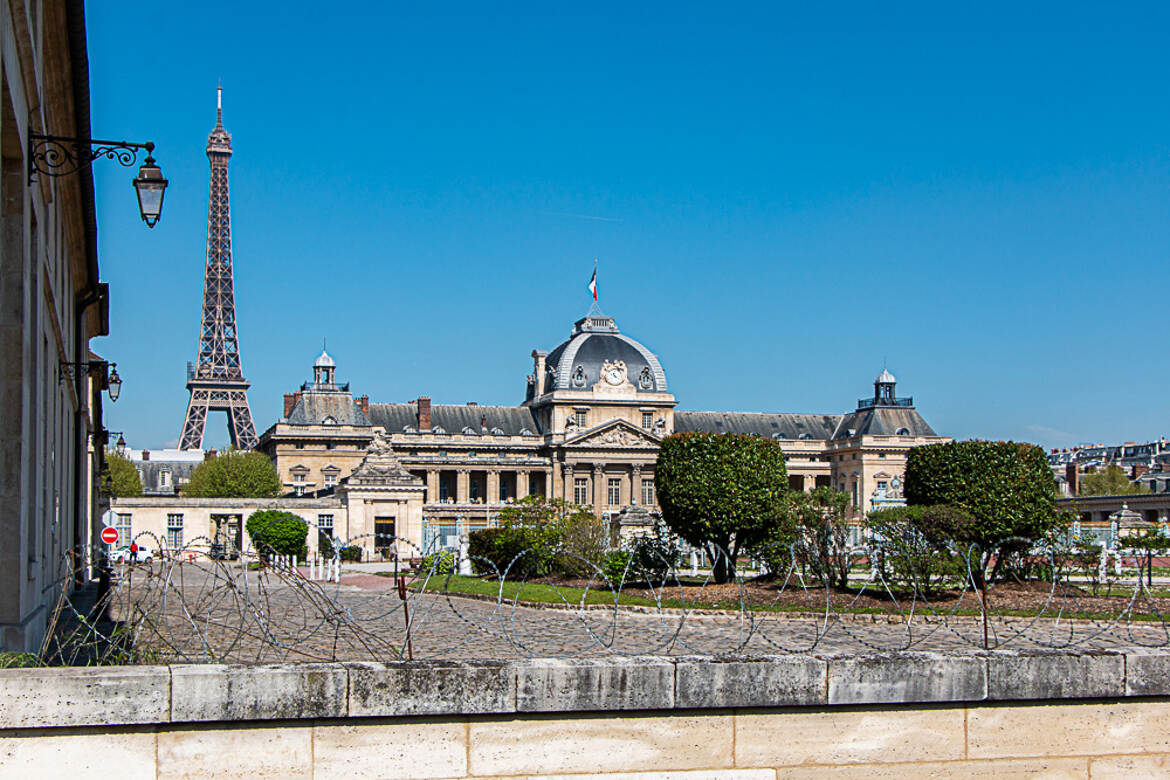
(582, 543)
(276, 532)
(513, 553)
(654, 556)
(721, 491)
(1006, 491)
(907, 558)
(352, 553)
(823, 535)
(616, 567)
(438, 564)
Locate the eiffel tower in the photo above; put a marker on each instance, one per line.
(216, 381)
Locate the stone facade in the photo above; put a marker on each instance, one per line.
(52, 303)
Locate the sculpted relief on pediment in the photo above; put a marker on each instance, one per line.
(618, 436)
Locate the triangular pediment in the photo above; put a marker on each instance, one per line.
(615, 434)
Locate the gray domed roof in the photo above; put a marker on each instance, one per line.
(885, 377)
(576, 364)
(324, 361)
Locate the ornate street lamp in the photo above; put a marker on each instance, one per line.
(55, 155)
(75, 371)
(114, 383)
(150, 186)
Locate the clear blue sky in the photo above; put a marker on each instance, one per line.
(781, 197)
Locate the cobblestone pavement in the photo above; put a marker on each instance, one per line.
(215, 614)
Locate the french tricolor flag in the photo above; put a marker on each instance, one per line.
(593, 282)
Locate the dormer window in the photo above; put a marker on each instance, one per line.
(903, 432)
(164, 478)
(330, 420)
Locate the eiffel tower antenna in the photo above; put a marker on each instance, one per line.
(217, 380)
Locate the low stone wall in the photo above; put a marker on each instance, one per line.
(906, 715)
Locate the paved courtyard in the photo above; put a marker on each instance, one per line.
(199, 613)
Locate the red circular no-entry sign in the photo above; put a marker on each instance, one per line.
(109, 535)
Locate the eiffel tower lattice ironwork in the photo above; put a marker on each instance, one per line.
(216, 381)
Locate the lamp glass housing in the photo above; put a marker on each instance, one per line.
(150, 186)
(114, 384)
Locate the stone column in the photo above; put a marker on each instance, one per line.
(522, 484)
(598, 488)
(808, 483)
(463, 486)
(635, 495)
(567, 470)
(432, 486)
(493, 488)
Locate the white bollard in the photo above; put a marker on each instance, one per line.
(694, 564)
(294, 564)
(337, 569)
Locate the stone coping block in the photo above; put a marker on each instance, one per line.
(902, 677)
(203, 692)
(431, 688)
(99, 696)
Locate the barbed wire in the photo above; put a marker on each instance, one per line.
(202, 602)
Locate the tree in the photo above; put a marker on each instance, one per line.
(720, 490)
(276, 532)
(234, 474)
(1005, 489)
(124, 478)
(1110, 481)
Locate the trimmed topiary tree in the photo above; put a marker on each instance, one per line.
(277, 532)
(234, 474)
(722, 491)
(1005, 489)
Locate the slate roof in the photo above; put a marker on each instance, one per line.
(314, 407)
(149, 470)
(883, 421)
(454, 418)
(766, 424)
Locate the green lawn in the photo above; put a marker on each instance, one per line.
(548, 594)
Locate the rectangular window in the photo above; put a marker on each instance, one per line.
(580, 418)
(647, 420)
(174, 530)
(125, 530)
(325, 534)
(580, 490)
(614, 492)
(881, 485)
(298, 484)
(164, 478)
(330, 480)
(648, 491)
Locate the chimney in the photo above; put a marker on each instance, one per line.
(1072, 476)
(290, 400)
(146, 454)
(424, 412)
(538, 357)
(364, 405)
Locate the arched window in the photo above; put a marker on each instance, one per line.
(903, 431)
